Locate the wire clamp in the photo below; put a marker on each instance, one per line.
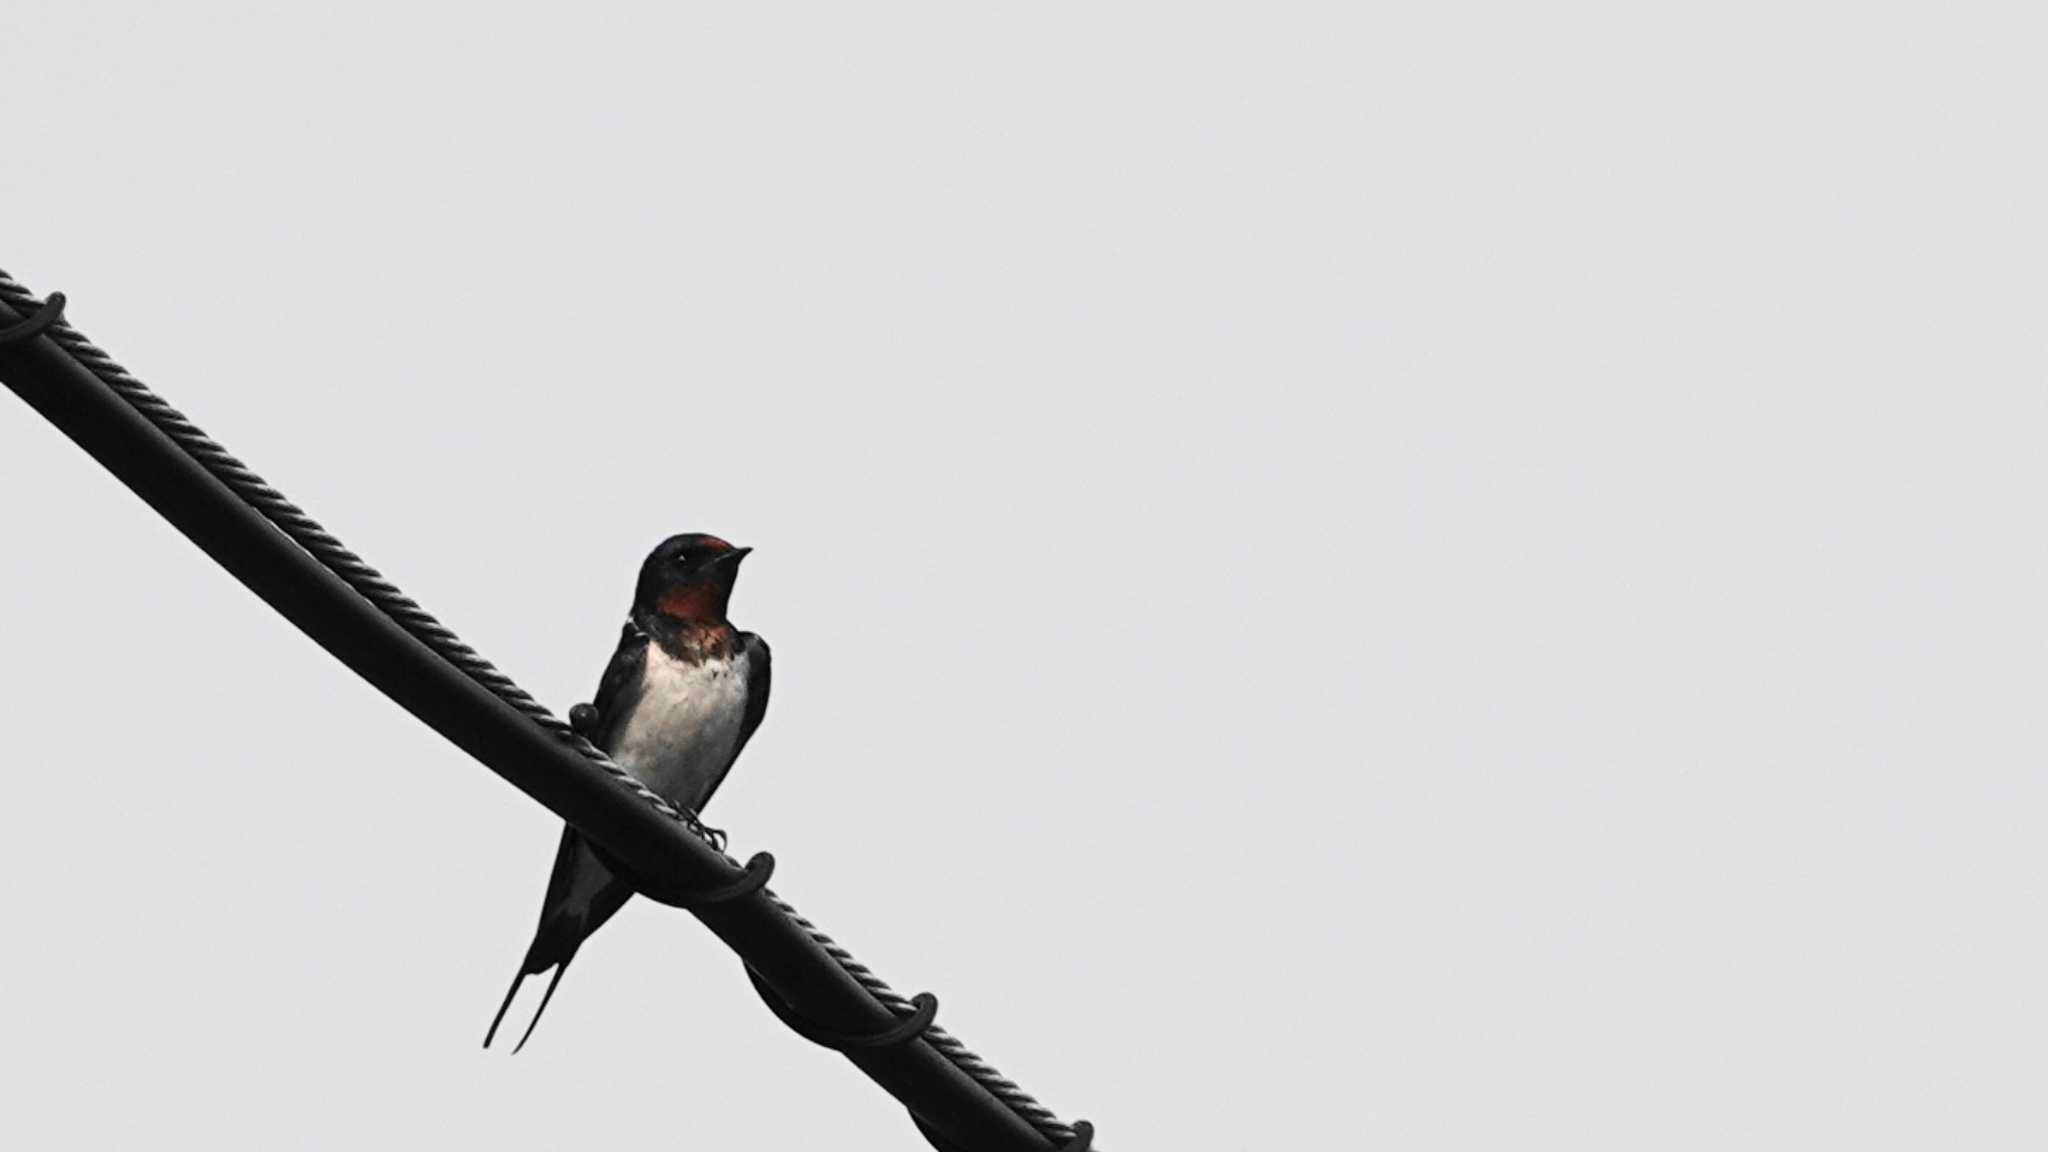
(1083, 1141)
(925, 1009)
(755, 878)
(51, 312)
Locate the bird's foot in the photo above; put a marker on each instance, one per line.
(710, 835)
(583, 721)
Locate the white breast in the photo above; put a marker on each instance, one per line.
(682, 735)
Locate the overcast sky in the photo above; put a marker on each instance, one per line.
(1397, 576)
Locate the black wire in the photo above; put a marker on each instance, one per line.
(343, 604)
(1083, 1140)
(51, 312)
(752, 880)
(925, 1009)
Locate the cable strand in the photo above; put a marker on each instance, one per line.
(409, 615)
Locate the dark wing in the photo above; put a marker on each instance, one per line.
(757, 688)
(619, 690)
(756, 651)
(583, 891)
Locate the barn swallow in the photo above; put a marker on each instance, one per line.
(683, 694)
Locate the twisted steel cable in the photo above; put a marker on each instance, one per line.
(415, 620)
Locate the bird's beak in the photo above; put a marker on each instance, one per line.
(725, 561)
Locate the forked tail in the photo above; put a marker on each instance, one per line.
(582, 895)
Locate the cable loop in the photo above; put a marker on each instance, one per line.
(759, 868)
(1083, 1139)
(925, 1010)
(51, 312)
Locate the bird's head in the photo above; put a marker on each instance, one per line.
(689, 577)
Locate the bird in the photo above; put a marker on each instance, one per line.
(683, 694)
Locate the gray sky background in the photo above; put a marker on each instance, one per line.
(1416, 576)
